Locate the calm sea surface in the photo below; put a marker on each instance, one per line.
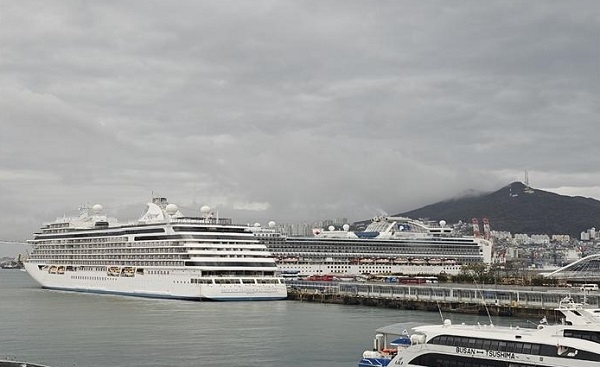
(66, 329)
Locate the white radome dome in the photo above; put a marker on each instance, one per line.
(97, 208)
(331, 228)
(205, 209)
(171, 209)
(442, 223)
(256, 224)
(271, 224)
(346, 227)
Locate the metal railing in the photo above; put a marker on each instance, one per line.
(455, 293)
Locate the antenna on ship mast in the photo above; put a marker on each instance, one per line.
(483, 301)
(440, 310)
(487, 310)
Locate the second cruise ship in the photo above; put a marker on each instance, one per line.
(389, 245)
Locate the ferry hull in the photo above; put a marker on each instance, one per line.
(440, 358)
(175, 285)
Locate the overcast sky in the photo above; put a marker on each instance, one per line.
(291, 111)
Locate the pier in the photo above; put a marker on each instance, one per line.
(460, 298)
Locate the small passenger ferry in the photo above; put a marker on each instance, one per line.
(574, 342)
(15, 363)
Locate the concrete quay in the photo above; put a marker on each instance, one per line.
(460, 298)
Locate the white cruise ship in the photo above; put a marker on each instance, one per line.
(389, 245)
(573, 342)
(163, 255)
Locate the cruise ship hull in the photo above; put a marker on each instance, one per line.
(173, 284)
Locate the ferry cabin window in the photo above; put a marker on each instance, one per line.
(471, 343)
(502, 346)
(592, 336)
(486, 344)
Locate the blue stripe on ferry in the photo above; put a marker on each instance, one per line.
(163, 296)
(374, 362)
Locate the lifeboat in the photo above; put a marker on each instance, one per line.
(382, 261)
(418, 261)
(128, 272)
(401, 260)
(450, 262)
(434, 261)
(367, 260)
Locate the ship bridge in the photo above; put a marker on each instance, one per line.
(586, 269)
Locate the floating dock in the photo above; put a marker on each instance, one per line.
(460, 298)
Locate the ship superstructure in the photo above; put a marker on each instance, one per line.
(388, 245)
(163, 255)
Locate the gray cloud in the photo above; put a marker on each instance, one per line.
(291, 111)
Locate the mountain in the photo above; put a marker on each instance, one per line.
(518, 208)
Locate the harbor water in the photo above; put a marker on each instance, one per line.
(67, 329)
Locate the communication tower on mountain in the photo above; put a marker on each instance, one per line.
(528, 189)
